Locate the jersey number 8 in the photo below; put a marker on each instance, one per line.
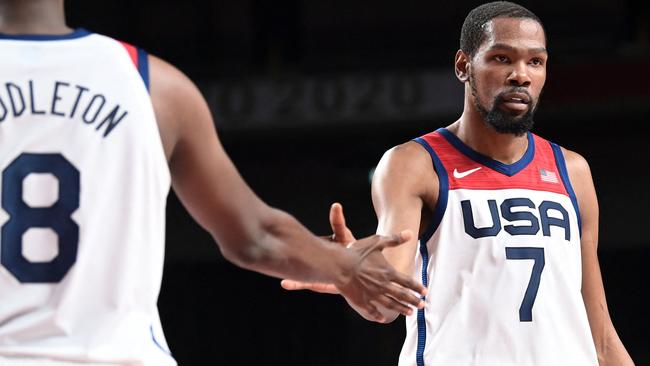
(23, 217)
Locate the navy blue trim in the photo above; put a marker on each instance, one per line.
(564, 173)
(156, 342)
(421, 320)
(143, 66)
(507, 169)
(436, 218)
(77, 33)
(443, 189)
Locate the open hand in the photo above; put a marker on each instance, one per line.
(374, 283)
(341, 235)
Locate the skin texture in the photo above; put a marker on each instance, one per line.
(249, 232)
(405, 187)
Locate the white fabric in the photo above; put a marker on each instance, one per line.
(472, 310)
(104, 311)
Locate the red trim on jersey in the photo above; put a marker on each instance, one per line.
(541, 174)
(132, 51)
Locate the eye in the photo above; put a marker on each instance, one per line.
(537, 61)
(501, 58)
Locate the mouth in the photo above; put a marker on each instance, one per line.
(515, 101)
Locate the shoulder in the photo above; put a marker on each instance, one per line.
(583, 185)
(409, 157)
(577, 166)
(180, 108)
(406, 165)
(169, 84)
(408, 154)
(174, 95)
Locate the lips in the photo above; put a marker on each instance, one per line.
(516, 103)
(515, 98)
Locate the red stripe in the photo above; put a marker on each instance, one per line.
(132, 51)
(486, 178)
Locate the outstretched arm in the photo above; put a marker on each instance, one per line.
(403, 188)
(609, 347)
(250, 233)
(403, 184)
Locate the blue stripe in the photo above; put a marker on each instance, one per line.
(422, 325)
(443, 190)
(77, 33)
(143, 66)
(156, 342)
(564, 173)
(507, 169)
(438, 213)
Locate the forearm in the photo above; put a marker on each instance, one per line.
(611, 351)
(278, 245)
(609, 347)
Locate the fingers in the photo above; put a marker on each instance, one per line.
(394, 305)
(393, 240)
(408, 283)
(323, 288)
(372, 313)
(404, 296)
(337, 219)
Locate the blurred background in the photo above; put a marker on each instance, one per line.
(308, 94)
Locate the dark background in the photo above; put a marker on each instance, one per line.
(308, 94)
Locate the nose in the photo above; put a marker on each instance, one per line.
(519, 76)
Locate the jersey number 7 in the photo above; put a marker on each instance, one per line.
(537, 255)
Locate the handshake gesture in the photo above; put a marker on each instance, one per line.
(374, 284)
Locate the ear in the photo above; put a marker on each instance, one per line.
(461, 66)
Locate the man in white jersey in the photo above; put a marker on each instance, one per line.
(92, 133)
(507, 221)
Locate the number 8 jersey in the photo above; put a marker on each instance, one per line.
(501, 259)
(83, 184)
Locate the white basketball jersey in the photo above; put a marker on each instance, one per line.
(83, 184)
(502, 263)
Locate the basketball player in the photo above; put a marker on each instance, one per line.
(507, 221)
(92, 133)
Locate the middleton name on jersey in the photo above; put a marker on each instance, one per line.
(60, 99)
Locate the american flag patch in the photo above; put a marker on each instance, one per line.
(548, 176)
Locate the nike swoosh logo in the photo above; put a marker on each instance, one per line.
(459, 175)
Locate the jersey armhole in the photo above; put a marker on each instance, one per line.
(140, 60)
(436, 218)
(443, 189)
(564, 174)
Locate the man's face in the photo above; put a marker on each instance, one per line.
(508, 72)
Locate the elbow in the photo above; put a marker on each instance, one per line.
(253, 245)
(244, 254)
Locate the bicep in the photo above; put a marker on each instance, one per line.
(581, 180)
(398, 189)
(593, 292)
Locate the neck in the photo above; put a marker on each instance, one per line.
(33, 17)
(475, 133)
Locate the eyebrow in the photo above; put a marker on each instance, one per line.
(503, 46)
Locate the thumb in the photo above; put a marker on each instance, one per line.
(341, 232)
(396, 239)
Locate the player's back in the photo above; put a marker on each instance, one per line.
(83, 189)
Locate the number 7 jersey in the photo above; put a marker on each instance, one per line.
(83, 184)
(502, 262)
